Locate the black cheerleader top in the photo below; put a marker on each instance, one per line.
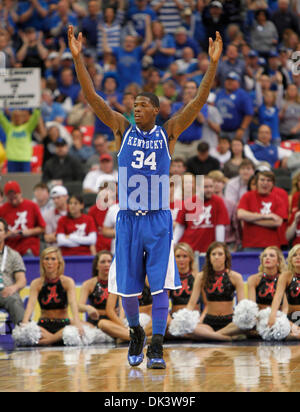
(221, 289)
(53, 296)
(145, 299)
(293, 290)
(266, 289)
(98, 297)
(182, 296)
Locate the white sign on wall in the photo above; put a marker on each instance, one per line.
(20, 88)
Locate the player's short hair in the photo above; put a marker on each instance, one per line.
(152, 97)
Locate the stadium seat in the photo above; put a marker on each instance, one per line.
(284, 182)
(74, 188)
(89, 200)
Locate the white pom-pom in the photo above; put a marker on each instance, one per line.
(184, 321)
(279, 331)
(71, 336)
(245, 314)
(28, 334)
(144, 320)
(101, 337)
(94, 335)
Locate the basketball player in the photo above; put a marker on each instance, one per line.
(144, 238)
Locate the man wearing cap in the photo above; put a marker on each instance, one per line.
(93, 179)
(25, 222)
(62, 166)
(236, 108)
(59, 195)
(214, 19)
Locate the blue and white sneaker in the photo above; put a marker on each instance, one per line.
(155, 356)
(137, 343)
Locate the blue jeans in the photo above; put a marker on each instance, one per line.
(18, 167)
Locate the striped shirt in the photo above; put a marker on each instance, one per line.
(169, 14)
(113, 32)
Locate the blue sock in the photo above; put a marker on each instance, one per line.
(160, 310)
(132, 310)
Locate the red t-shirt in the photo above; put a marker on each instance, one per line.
(296, 239)
(103, 242)
(295, 202)
(82, 226)
(255, 235)
(283, 197)
(25, 216)
(200, 232)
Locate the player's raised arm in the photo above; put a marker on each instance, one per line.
(116, 121)
(176, 125)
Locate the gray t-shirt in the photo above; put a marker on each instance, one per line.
(14, 263)
(290, 119)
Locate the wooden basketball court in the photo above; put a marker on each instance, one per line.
(191, 367)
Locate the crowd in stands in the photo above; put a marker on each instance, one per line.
(243, 140)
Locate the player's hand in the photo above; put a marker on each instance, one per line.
(75, 45)
(215, 48)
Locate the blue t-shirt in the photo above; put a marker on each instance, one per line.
(129, 66)
(269, 116)
(35, 20)
(233, 107)
(138, 18)
(89, 29)
(160, 60)
(194, 131)
(265, 154)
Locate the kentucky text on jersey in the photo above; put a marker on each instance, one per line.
(144, 164)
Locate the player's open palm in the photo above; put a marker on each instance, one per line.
(215, 48)
(75, 45)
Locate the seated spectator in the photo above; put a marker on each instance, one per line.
(206, 228)
(293, 230)
(264, 150)
(237, 186)
(262, 213)
(53, 133)
(32, 53)
(231, 167)
(274, 70)
(24, 219)
(19, 150)
(101, 147)
(269, 105)
(67, 86)
(51, 110)
(222, 151)
(62, 166)
(165, 110)
(13, 278)
(202, 163)
(76, 232)
(81, 113)
(170, 90)
(91, 183)
(153, 83)
(231, 64)
(236, 108)
(187, 59)
(197, 70)
(290, 114)
(79, 150)
(232, 236)
(59, 196)
(106, 197)
(128, 106)
(263, 35)
(162, 49)
(42, 198)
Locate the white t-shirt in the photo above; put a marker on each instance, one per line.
(93, 179)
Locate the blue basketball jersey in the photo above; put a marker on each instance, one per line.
(144, 165)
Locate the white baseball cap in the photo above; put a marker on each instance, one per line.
(58, 190)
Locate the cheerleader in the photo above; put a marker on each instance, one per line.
(218, 285)
(116, 325)
(76, 232)
(289, 284)
(185, 320)
(54, 292)
(261, 290)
